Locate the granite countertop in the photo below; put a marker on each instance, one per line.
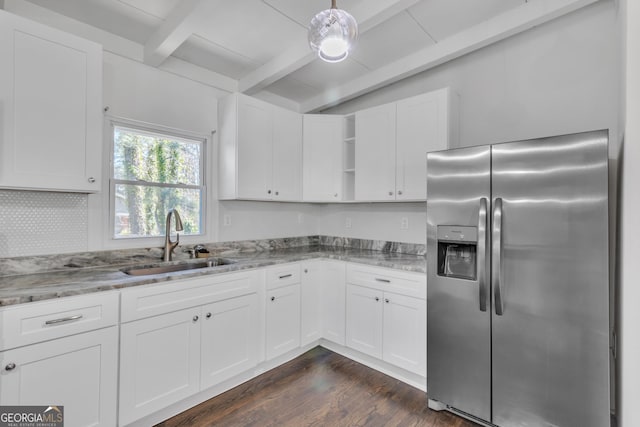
(24, 288)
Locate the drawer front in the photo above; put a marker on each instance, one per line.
(42, 321)
(388, 280)
(156, 299)
(283, 275)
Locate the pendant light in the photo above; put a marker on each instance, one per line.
(333, 34)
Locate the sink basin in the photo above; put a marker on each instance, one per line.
(159, 269)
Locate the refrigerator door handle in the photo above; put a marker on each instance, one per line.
(483, 283)
(496, 257)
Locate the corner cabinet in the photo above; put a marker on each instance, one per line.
(260, 154)
(323, 158)
(50, 108)
(392, 142)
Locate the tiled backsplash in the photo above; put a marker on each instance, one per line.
(37, 222)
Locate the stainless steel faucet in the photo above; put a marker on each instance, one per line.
(169, 246)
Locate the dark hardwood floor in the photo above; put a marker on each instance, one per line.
(319, 388)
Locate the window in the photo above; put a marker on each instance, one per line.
(151, 174)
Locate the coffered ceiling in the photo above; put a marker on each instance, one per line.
(260, 46)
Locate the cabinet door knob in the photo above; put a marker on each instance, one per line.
(391, 193)
(91, 179)
(277, 193)
(386, 300)
(208, 315)
(268, 191)
(400, 192)
(195, 318)
(10, 367)
(273, 298)
(377, 299)
(335, 195)
(306, 271)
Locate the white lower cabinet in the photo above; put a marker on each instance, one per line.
(78, 372)
(387, 316)
(229, 337)
(364, 320)
(62, 352)
(159, 362)
(332, 302)
(282, 320)
(169, 352)
(310, 297)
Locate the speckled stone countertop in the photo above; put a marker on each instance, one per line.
(76, 279)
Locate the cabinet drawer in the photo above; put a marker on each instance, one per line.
(283, 275)
(51, 319)
(153, 300)
(388, 280)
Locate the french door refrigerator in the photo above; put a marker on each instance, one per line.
(518, 282)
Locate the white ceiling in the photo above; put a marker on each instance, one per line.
(262, 45)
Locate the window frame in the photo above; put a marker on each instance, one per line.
(111, 240)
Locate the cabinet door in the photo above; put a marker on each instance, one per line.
(159, 362)
(254, 151)
(51, 96)
(364, 320)
(310, 299)
(332, 290)
(78, 372)
(376, 153)
(322, 157)
(422, 126)
(282, 320)
(229, 344)
(287, 156)
(405, 332)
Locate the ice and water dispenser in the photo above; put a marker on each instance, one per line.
(457, 246)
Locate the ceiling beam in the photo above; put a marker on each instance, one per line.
(505, 25)
(179, 25)
(368, 14)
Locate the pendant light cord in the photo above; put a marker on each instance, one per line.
(333, 4)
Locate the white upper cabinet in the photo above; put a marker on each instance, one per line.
(376, 153)
(392, 141)
(323, 158)
(260, 151)
(50, 108)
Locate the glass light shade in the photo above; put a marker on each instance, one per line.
(333, 34)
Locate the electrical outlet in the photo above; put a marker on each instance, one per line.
(226, 220)
(347, 222)
(404, 223)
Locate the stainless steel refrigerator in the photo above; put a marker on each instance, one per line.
(518, 282)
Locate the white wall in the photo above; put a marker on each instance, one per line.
(629, 289)
(561, 77)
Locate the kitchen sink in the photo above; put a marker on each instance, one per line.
(148, 270)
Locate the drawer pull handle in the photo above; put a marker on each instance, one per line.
(273, 298)
(209, 315)
(63, 320)
(195, 318)
(285, 276)
(383, 280)
(386, 300)
(377, 298)
(10, 367)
